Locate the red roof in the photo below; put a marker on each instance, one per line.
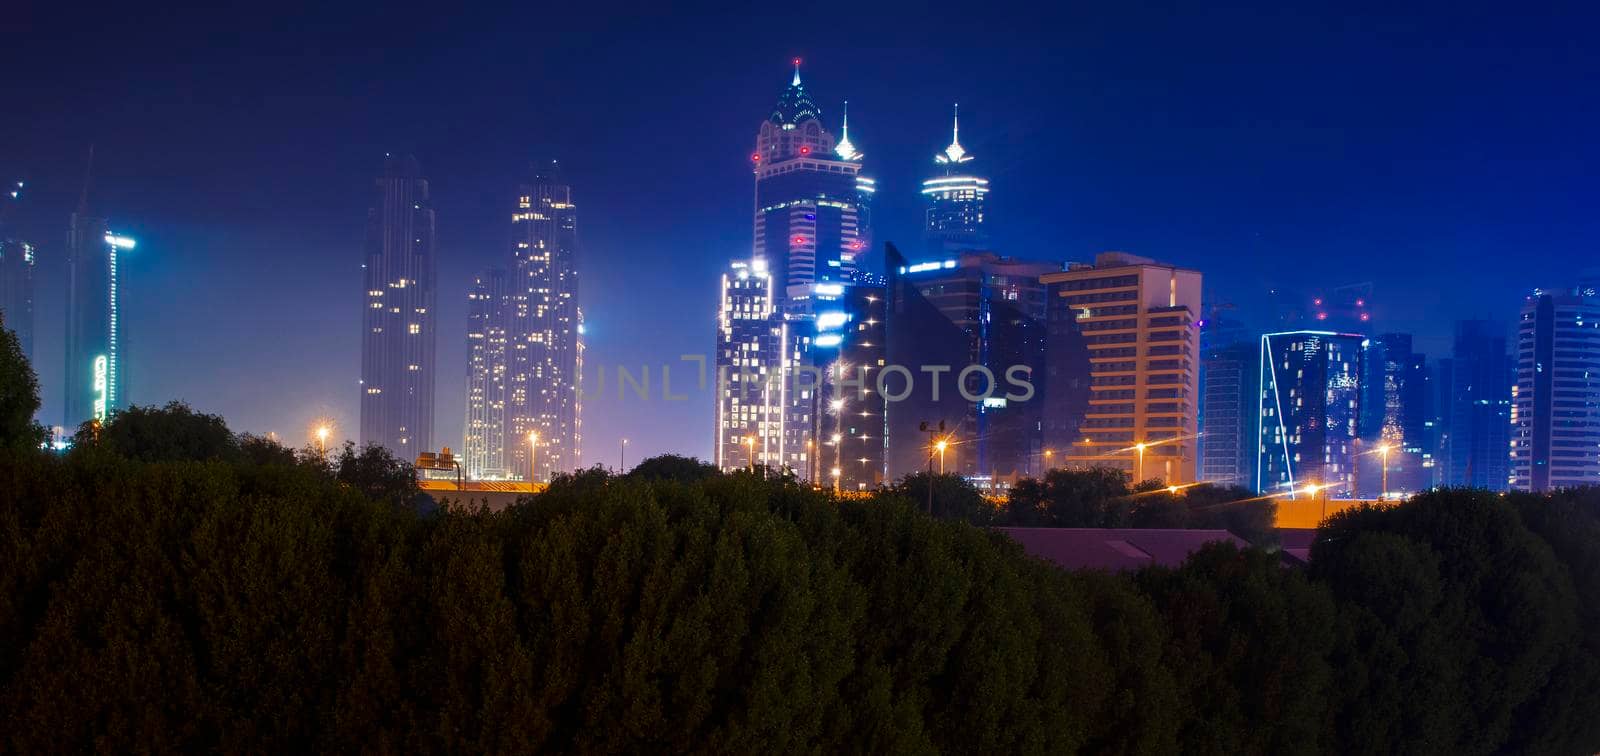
(1296, 542)
(1115, 549)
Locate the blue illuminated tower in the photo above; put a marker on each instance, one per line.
(955, 217)
(809, 220)
(94, 366)
(1555, 432)
(1311, 394)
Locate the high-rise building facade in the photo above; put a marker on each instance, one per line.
(1309, 422)
(956, 197)
(1555, 412)
(987, 311)
(16, 291)
(809, 216)
(848, 349)
(1137, 320)
(1229, 403)
(545, 353)
(750, 377)
(1478, 435)
(95, 369)
(1402, 419)
(488, 339)
(397, 338)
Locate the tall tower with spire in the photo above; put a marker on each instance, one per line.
(808, 225)
(955, 215)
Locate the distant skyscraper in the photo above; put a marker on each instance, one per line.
(1402, 418)
(95, 372)
(1137, 318)
(1479, 394)
(955, 215)
(1229, 404)
(16, 291)
(1311, 394)
(1555, 439)
(488, 337)
(990, 313)
(809, 220)
(546, 343)
(397, 338)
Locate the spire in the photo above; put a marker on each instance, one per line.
(845, 149)
(796, 81)
(954, 153)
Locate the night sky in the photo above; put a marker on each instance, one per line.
(1446, 153)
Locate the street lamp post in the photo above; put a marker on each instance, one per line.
(1048, 453)
(322, 441)
(1383, 490)
(624, 467)
(750, 444)
(941, 446)
(1138, 475)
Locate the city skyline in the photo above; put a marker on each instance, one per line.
(210, 248)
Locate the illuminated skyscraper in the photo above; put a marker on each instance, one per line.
(397, 337)
(1311, 392)
(1137, 319)
(809, 219)
(1555, 432)
(955, 215)
(488, 335)
(545, 351)
(94, 366)
(751, 340)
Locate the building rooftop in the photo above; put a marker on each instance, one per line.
(1115, 549)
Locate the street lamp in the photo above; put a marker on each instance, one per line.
(624, 467)
(1048, 453)
(836, 473)
(322, 440)
(1138, 475)
(941, 446)
(1383, 487)
(533, 456)
(750, 443)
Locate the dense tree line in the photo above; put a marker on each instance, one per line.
(1097, 498)
(231, 594)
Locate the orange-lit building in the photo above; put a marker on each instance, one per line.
(1123, 382)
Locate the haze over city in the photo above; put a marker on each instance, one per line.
(1263, 149)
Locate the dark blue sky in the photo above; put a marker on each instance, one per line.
(1445, 152)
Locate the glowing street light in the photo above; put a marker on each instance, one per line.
(1138, 474)
(624, 467)
(941, 446)
(750, 443)
(322, 439)
(1383, 454)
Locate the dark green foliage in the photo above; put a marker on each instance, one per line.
(673, 467)
(377, 473)
(160, 434)
(19, 396)
(954, 497)
(171, 587)
(1104, 498)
